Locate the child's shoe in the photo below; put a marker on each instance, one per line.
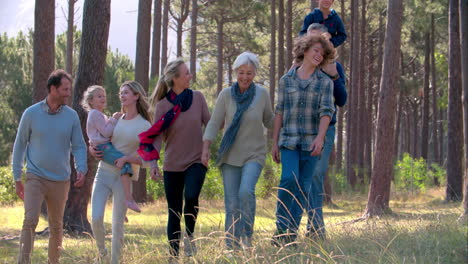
(132, 205)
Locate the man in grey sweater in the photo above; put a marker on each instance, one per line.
(48, 131)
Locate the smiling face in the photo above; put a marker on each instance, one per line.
(99, 100)
(325, 4)
(245, 76)
(183, 80)
(314, 55)
(62, 92)
(127, 96)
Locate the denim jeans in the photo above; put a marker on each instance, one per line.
(295, 184)
(179, 186)
(239, 200)
(315, 197)
(110, 154)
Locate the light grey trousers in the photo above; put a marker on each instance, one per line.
(108, 182)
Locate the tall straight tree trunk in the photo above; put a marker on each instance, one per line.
(454, 190)
(369, 111)
(273, 51)
(379, 192)
(220, 44)
(93, 51)
(339, 140)
(281, 68)
(44, 47)
(464, 62)
(435, 111)
(313, 4)
(426, 101)
(289, 33)
(70, 31)
(165, 27)
(193, 41)
(353, 116)
(362, 87)
(398, 125)
(156, 47)
(180, 19)
(142, 61)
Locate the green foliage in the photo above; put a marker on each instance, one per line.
(7, 186)
(415, 175)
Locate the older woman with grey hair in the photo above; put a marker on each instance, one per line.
(245, 110)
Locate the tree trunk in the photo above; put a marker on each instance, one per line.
(353, 116)
(435, 111)
(156, 47)
(272, 51)
(180, 19)
(193, 41)
(339, 140)
(426, 101)
(281, 68)
(219, 80)
(143, 40)
(165, 27)
(93, 50)
(454, 190)
(361, 98)
(44, 47)
(70, 31)
(289, 32)
(313, 4)
(464, 50)
(369, 112)
(379, 193)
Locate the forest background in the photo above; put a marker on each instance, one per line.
(403, 128)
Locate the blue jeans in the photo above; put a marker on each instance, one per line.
(239, 199)
(315, 197)
(294, 188)
(110, 154)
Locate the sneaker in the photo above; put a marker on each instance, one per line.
(246, 241)
(282, 238)
(132, 205)
(190, 249)
(316, 235)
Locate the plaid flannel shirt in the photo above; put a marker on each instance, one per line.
(302, 108)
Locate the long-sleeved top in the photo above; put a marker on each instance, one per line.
(339, 91)
(99, 127)
(183, 138)
(250, 142)
(302, 106)
(125, 139)
(333, 22)
(46, 139)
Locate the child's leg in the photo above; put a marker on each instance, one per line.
(131, 204)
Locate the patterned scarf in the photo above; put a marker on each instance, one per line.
(182, 103)
(243, 101)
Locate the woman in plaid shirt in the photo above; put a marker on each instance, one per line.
(303, 111)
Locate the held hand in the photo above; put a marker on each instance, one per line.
(156, 174)
(97, 154)
(205, 158)
(19, 189)
(120, 162)
(117, 115)
(330, 69)
(275, 154)
(80, 179)
(316, 147)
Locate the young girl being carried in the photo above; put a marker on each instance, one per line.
(100, 129)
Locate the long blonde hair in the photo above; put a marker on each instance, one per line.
(165, 82)
(141, 104)
(89, 95)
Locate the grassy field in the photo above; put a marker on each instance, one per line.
(423, 229)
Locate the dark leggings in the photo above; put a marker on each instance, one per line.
(182, 185)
